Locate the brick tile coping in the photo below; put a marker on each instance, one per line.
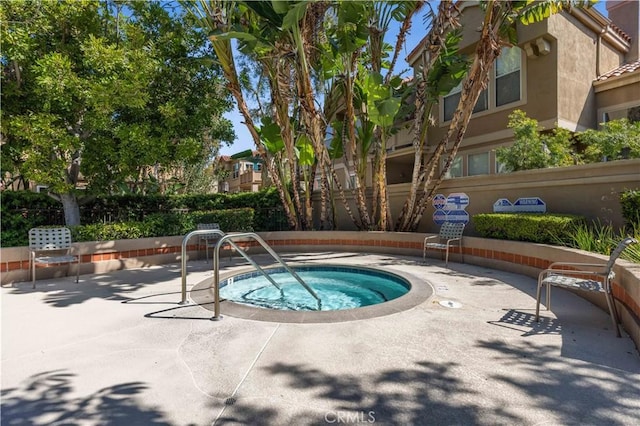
(512, 256)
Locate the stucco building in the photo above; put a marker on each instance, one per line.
(575, 69)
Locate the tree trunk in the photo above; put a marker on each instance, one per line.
(71, 209)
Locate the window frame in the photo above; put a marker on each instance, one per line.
(491, 91)
(488, 163)
(458, 159)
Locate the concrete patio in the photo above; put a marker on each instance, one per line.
(118, 349)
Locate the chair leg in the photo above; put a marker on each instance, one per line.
(613, 313)
(78, 270)
(446, 259)
(548, 297)
(538, 294)
(33, 273)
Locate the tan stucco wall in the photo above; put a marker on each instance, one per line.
(591, 190)
(577, 64)
(609, 96)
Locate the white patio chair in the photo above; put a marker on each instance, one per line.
(449, 232)
(50, 246)
(590, 277)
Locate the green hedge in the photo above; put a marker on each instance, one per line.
(537, 228)
(23, 210)
(165, 224)
(630, 202)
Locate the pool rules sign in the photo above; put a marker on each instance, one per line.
(450, 208)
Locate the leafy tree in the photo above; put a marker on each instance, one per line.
(88, 93)
(532, 149)
(615, 140)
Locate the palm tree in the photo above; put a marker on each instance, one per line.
(498, 30)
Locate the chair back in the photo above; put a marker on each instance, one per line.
(451, 230)
(49, 238)
(206, 226)
(615, 254)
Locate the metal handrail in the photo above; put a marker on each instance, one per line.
(186, 238)
(184, 300)
(216, 268)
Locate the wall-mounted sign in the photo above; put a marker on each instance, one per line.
(458, 216)
(457, 201)
(450, 208)
(439, 217)
(439, 201)
(502, 206)
(522, 205)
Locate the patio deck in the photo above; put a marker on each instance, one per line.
(118, 349)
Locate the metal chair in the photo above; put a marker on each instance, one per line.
(50, 246)
(591, 277)
(449, 232)
(209, 240)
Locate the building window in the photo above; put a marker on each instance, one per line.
(505, 86)
(632, 114)
(450, 102)
(455, 170)
(507, 80)
(478, 164)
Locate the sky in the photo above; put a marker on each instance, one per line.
(243, 139)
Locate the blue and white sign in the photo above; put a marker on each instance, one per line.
(502, 206)
(522, 205)
(439, 201)
(457, 201)
(439, 217)
(458, 216)
(530, 205)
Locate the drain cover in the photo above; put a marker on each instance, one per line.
(450, 304)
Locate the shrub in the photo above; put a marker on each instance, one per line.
(23, 210)
(630, 202)
(599, 238)
(109, 231)
(532, 149)
(164, 224)
(537, 228)
(615, 140)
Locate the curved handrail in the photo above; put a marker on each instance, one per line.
(231, 243)
(216, 269)
(184, 257)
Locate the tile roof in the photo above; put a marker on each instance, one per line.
(622, 69)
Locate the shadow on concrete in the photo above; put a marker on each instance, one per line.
(432, 393)
(116, 285)
(49, 398)
(568, 390)
(384, 396)
(526, 322)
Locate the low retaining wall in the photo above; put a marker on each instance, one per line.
(512, 256)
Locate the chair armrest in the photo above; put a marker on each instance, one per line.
(602, 265)
(453, 239)
(430, 237)
(570, 272)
